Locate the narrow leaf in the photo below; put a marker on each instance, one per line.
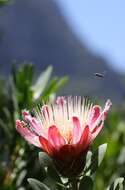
(44, 159)
(46, 162)
(101, 153)
(51, 183)
(95, 159)
(55, 84)
(86, 183)
(41, 83)
(37, 185)
(118, 184)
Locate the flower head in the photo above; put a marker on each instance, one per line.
(64, 130)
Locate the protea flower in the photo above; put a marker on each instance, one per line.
(64, 130)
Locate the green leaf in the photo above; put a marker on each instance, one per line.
(44, 159)
(47, 163)
(118, 184)
(3, 2)
(52, 172)
(86, 183)
(55, 84)
(5, 129)
(37, 185)
(52, 176)
(21, 82)
(41, 83)
(51, 87)
(61, 82)
(101, 153)
(51, 183)
(95, 159)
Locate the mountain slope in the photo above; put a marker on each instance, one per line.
(36, 31)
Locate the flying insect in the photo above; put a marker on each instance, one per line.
(100, 75)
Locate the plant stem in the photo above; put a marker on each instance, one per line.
(74, 184)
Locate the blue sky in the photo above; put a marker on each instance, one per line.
(101, 24)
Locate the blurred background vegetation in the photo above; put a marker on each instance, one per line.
(18, 160)
(36, 31)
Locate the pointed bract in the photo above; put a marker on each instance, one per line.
(27, 134)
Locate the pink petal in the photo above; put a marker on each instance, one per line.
(76, 130)
(27, 134)
(85, 139)
(96, 110)
(102, 115)
(106, 108)
(61, 101)
(96, 131)
(37, 127)
(46, 145)
(45, 111)
(34, 124)
(107, 105)
(25, 113)
(55, 138)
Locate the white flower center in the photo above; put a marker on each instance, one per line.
(60, 115)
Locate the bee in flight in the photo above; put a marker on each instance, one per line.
(100, 75)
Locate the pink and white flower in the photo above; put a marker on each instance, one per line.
(64, 129)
